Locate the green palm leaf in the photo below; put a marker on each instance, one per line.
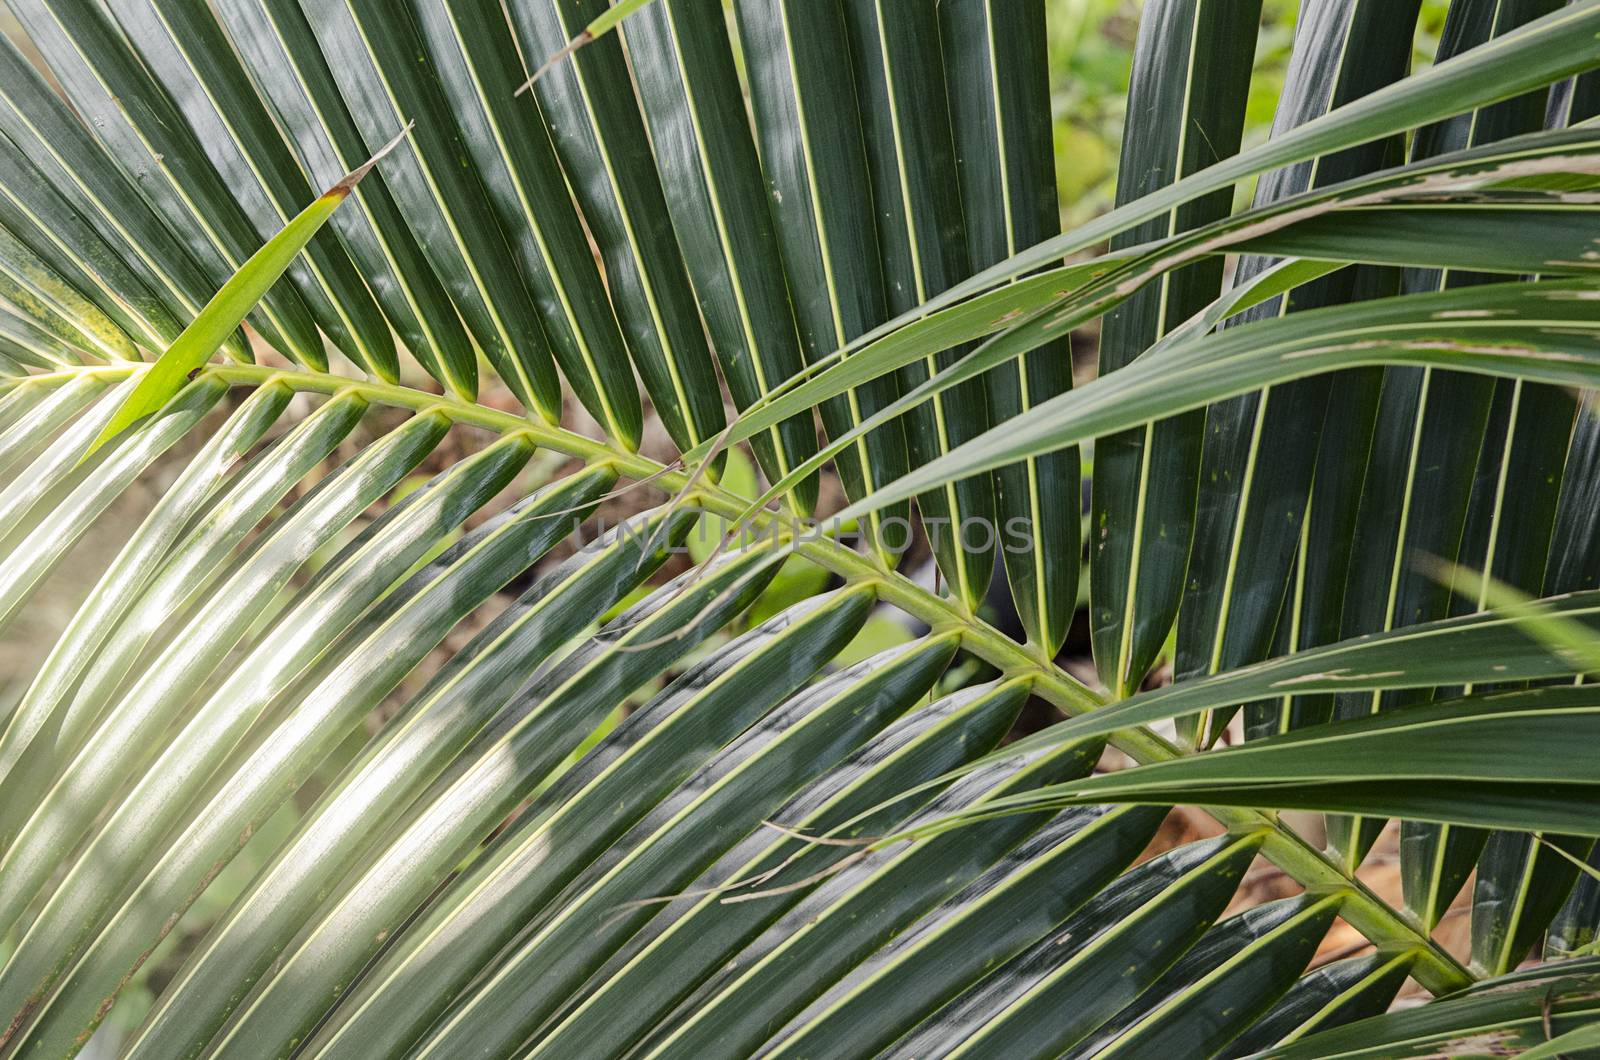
(1545, 1010)
(361, 705)
(601, 140)
(1191, 72)
(1489, 759)
(1261, 451)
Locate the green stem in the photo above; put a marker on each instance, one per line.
(1363, 910)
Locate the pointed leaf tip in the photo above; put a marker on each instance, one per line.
(555, 58)
(347, 183)
(603, 24)
(190, 351)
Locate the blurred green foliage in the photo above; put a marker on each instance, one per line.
(1091, 51)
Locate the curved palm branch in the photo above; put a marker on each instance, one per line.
(363, 741)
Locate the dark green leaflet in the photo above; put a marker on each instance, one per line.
(1507, 1016)
(901, 93)
(373, 47)
(186, 51)
(330, 695)
(1429, 432)
(717, 198)
(287, 65)
(1574, 563)
(1480, 713)
(1260, 451)
(693, 940)
(1576, 925)
(630, 771)
(912, 976)
(34, 212)
(1504, 329)
(40, 291)
(725, 800)
(28, 345)
(1510, 533)
(1006, 165)
(1221, 944)
(852, 938)
(1487, 647)
(603, 144)
(1325, 997)
(1062, 988)
(40, 126)
(142, 130)
(1510, 521)
(553, 711)
(510, 149)
(1520, 888)
(1191, 75)
(1510, 759)
(1232, 976)
(816, 166)
(1333, 510)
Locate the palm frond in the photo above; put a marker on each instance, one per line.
(493, 783)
